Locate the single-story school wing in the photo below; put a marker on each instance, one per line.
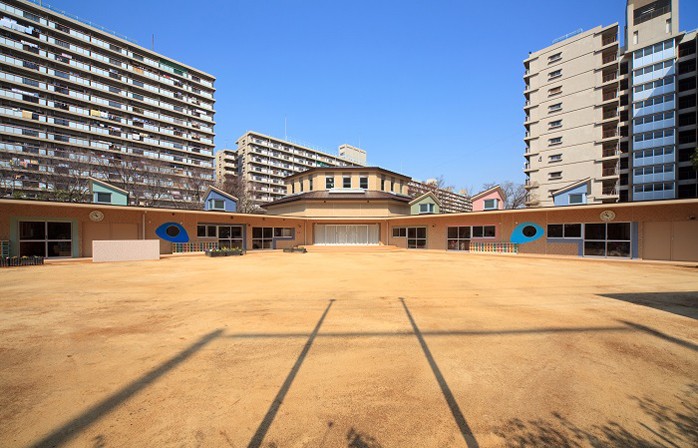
(657, 230)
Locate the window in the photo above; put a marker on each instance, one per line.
(230, 236)
(45, 239)
(416, 237)
(491, 204)
(458, 238)
(555, 107)
(329, 182)
(382, 183)
(392, 184)
(363, 182)
(555, 124)
(426, 208)
(555, 91)
(283, 232)
(483, 231)
(206, 231)
(555, 175)
(104, 198)
(607, 240)
(555, 74)
(576, 198)
(564, 230)
(217, 204)
(262, 237)
(399, 232)
(555, 141)
(300, 185)
(346, 182)
(310, 183)
(555, 158)
(554, 58)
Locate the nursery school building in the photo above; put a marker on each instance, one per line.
(657, 230)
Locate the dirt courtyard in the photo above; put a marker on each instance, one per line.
(349, 348)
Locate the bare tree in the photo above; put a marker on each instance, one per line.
(514, 194)
(694, 159)
(439, 183)
(237, 186)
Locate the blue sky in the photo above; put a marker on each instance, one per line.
(428, 88)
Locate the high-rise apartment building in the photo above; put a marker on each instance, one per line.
(606, 123)
(264, 162)
(79, 101)
(226, 165)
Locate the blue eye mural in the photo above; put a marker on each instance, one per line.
(526, 232)
(172, 232)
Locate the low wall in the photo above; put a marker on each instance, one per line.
(125, 250)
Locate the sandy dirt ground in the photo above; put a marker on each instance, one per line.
(349, 348)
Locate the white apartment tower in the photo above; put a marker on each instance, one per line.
(606, 123)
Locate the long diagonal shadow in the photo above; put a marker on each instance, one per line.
(687, 344)
(276, 404)
(91, 415)
(465, 430)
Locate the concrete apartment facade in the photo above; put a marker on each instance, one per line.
(606, 123)
(264, 162)
(78, 101)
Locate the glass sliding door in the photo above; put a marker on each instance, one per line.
(45, 239)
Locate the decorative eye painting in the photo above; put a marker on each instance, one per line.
(172, 232)
(526, 232)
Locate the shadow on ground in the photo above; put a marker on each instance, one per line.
(356, 439)
(662, 427)
(681, 303)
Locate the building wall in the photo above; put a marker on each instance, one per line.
(563, 146)
(117, 197)
(392, 182)
(479, 203)
(264, 162)
(415, 207)
(79, 99)
(649, 225)
(228, 204)
(341, 209)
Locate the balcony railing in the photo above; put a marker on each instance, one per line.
(610, 95)
(606, 40)
(609, 58)
(610, 77)
(610, 114)
(610, 133)
(610, 152)
(609, 171)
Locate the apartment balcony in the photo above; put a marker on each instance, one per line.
(527, 104)
(528, 168)
(609, 173)
(527, 73)
(607, 59)
(609, 40)
(608, 78)
(610, 154)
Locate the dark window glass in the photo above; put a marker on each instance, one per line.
(267, 232)
(103, 197)
(59, 249)
(453, 232)
(32, 231)
(594, 248)
(236, 232)
(256, 232)
(489, 231)
(554, 230)
(59, 231)
(477, 232)
(618, 249)
(412, 232)
(573, 230)
(32, 248)
(421, 232)
(595, 231)
(211, 230)
(619, 231)
(464, 232)
(223, 232)
(201, 231)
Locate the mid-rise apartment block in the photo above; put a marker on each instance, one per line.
(78, 101)
(612, 123)
(264, 162)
